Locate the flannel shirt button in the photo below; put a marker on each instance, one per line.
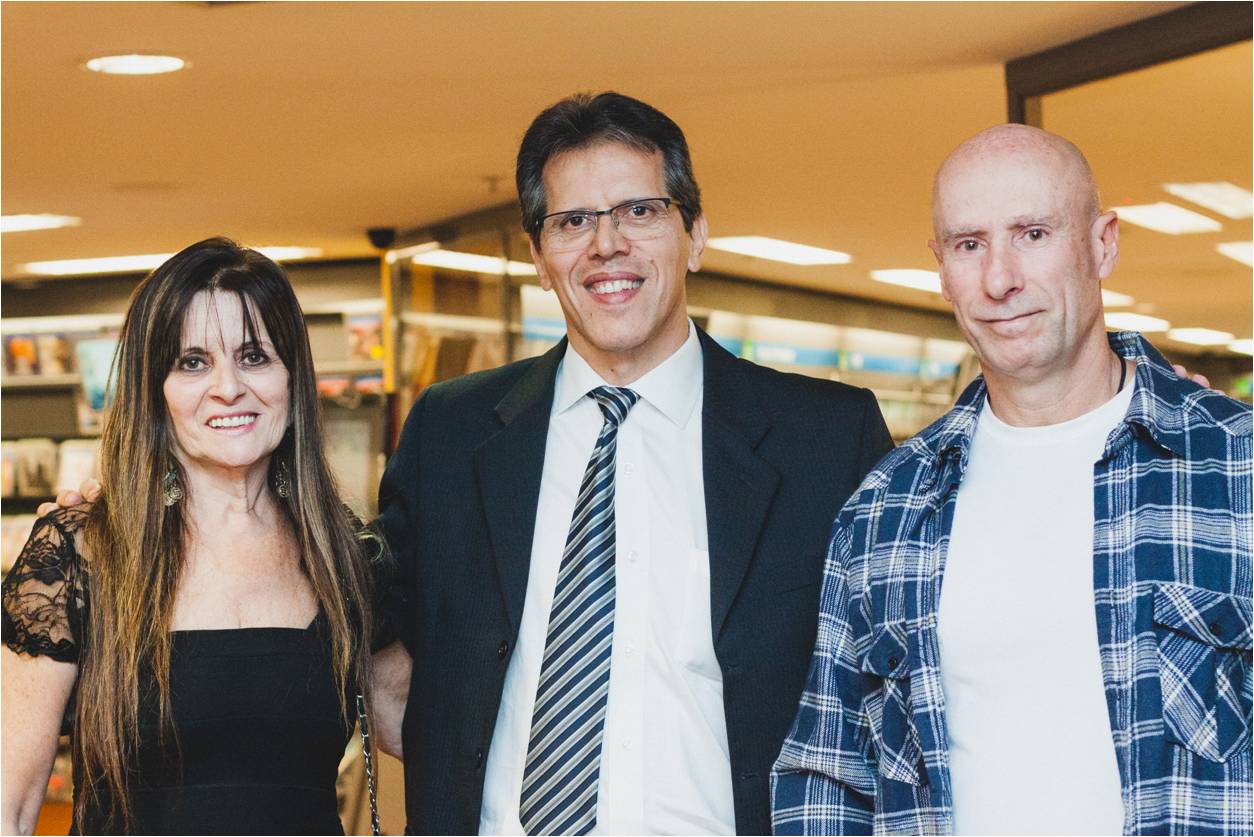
(1215, 628)
(892, 662)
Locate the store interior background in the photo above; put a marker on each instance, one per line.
(303, 125)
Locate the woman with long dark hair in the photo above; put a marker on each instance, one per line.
(202, 629)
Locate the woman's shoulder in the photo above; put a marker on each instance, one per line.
(61, 531)
(66, 519)
(44, 595)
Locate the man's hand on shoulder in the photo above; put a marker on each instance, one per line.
(1198, 379)
(88, 492)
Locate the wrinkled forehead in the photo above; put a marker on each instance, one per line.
(983, 188)
(582, 177)
(217, 319)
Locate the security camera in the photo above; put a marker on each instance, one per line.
(381, 237)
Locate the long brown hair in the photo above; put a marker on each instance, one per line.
(135, 544)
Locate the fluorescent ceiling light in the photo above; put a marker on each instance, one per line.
(405, 252)
(1242, 347)
(1167, 218)
(109, 264)
(143, 263)
(1242, 251)
(761, 247)
(1127, 321)
(1113, 299)
(135, 65)
(473, 262)
(920, 280)
(23, 223)
(287, 254)
(1226, 199)
(1200, 336)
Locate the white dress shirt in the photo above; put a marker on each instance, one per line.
(665, 767)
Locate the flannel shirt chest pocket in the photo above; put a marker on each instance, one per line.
(888, 707)
(1204, 668)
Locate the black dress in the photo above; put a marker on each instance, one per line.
(258, 729)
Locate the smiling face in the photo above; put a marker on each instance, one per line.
(227, 395)
(1022, 253)
(624, 301)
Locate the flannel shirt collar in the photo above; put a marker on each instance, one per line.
(1158, 404)
(1161, 398)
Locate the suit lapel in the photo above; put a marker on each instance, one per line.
(739, 484)
(509, 466)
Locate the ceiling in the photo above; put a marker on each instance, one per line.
(306, 123)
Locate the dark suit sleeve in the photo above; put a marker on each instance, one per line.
(876, 440)
(398, 521)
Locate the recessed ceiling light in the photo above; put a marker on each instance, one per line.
(1227, 199)
(24, 223)
(1167, 218)
(1242, 347)
(1242, 251)
(473, 263)
(135, 65)
(1114, 299)
(142, 263)
(920, 280)
(1127, 321)
(761, 247)
(1200, 336)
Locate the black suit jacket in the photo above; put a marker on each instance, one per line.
(780, 453)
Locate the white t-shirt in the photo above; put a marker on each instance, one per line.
(665, 766)
(1031, 750)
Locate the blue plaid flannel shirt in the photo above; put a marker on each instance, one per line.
(1172, 584)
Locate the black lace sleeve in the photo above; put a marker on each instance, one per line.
(45, 595)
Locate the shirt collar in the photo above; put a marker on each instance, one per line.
(671, 387)
(1161, 398)
(1157, 402)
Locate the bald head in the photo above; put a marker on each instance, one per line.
(1012, 142)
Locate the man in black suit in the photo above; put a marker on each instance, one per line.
(611, 553)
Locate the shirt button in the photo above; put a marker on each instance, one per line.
(626, 743)
(1215, 628)
(628, 469)
(502, 650)
(633, 556)
(629, 649)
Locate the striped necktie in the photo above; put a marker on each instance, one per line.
(559, 792)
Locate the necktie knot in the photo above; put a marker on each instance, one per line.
(615, 402)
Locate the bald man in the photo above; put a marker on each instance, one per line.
(1085, 667)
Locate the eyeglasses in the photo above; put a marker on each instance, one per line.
(636, 220)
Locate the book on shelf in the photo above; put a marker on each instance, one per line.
(365, 336)
(15, 530)
(54, 354)
(95, 361)
(77, 460)
(8, 469)
(21, 357)
(36, 467)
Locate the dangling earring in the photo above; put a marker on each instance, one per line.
(282, 486)
(171, 491)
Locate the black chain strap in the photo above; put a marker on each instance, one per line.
(368, 753)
